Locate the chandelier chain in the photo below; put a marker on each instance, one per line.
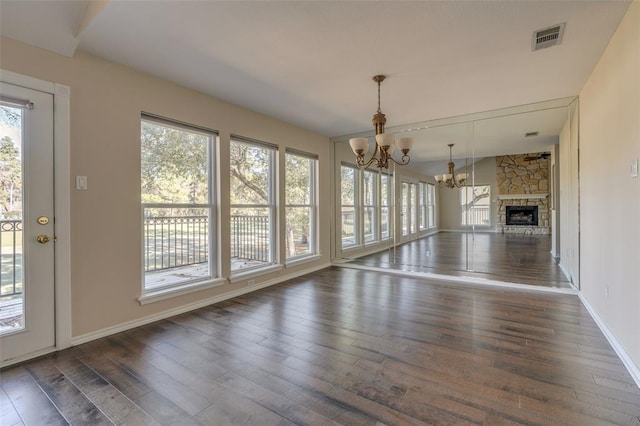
(379, 112)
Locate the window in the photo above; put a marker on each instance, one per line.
(385, 197)
(300, 210)
(405, 208)
(475, 204)
(348, 197)
(370, 189)
(177, 203)
(422, 204)
(412, 207)
(253, 204)
(431, 205)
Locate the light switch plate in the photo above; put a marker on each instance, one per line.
(81, 183)
(634, 168)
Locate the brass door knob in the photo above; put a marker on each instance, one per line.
(43, 239)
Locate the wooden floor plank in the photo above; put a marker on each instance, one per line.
(341, 346)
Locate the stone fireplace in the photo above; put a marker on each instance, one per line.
(523, 194)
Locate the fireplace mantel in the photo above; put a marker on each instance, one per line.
(522, 196)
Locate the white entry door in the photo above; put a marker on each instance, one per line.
(27, 322)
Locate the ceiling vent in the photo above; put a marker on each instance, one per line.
(530, 134)
(547, 37)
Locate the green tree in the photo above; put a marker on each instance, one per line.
(249, 167)
(173, 165)
(10, 177)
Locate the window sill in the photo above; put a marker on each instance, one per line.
(299, 260)
(167, 293)
(240, 276)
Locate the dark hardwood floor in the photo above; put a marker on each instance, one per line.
(340, 346)
(523, 259)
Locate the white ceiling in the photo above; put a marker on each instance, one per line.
(310, 63)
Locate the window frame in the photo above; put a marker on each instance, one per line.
(422, 206)
(374, 207)
(385, 202)
(271, 206)
(162, 292)
(355, 207)
(313, 206)
(431, 206)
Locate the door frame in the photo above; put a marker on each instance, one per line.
(62, 205)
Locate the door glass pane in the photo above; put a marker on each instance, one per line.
(11, 266)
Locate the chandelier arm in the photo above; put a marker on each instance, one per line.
(362, 164)
(403, 161)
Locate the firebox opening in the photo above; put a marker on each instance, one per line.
(522, 215)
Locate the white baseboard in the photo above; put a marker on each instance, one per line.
(633, 369)
(566, 273)
(190, 307)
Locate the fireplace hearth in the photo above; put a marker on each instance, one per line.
(522, 215)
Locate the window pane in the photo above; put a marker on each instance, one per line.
(174, 165)
(476, 205)
(431, 201)
(405, 208)
(300, 205)
(250, 173)
(422, 203)
(252, 205)
(348, 227)
(176, 245)
(250, 237)
(298, 174)
(384, 222)
(298, 231)
(370, 183)
(369, 224)
(11, 235)
(348, 188)
(412, 207)
(348, 185)
(384, 203)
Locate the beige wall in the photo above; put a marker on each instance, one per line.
(106, 102)
(450, 210)
(609, 197)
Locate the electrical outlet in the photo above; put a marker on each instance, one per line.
(251, 282)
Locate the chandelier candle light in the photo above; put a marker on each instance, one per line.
(385, 142)
(450, 180)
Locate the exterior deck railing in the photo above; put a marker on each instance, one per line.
(11, 257)
(176, 241)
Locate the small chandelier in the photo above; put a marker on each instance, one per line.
(450, 180)
(385, 142)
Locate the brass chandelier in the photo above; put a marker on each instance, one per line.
(385, 142)
(450, 180)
